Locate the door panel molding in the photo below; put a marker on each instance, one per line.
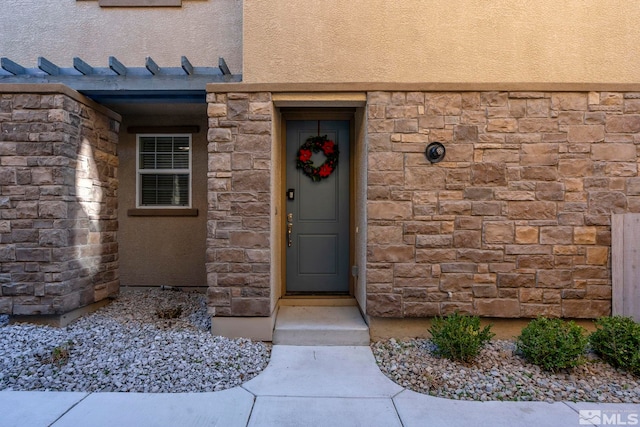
(321, 212)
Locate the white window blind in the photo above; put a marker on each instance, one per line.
(164, 171)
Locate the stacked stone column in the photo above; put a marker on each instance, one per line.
(58, 182)
(239, 224)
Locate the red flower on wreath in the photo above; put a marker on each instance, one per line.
(316, 144)
(325, 171)
(304, 155)
(327, 147)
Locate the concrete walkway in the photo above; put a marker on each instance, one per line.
(302, 386)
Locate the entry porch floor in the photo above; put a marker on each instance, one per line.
(320, 325)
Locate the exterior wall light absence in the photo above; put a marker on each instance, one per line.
(435, 152)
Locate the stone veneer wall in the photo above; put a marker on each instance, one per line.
(238, 239)
(58, 181)
(515, 222)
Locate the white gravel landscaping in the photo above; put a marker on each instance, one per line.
(153, 340)
(500, 374)
(129, 346)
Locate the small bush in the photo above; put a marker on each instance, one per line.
(458, 337)
(169, 312)
(58, 356)
(617, 341)
(553, 344)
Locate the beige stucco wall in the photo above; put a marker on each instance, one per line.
(169, 250)
(202, 30)
(441, 41)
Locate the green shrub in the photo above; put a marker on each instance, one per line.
(553, 344)
(617, 341)
(459, 337)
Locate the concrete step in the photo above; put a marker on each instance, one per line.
(320, 325)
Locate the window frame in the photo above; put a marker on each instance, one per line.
(140, 172)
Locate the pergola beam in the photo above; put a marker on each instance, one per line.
(12, 67)
(48, 67)
(117, 67)
(222, 64)
(186, 65)
(151, 65)
(82, 66)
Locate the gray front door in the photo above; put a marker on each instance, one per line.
(318, 241)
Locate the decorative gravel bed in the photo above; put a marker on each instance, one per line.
(148, 340)
(498, 373)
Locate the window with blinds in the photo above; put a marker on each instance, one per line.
(164, 171)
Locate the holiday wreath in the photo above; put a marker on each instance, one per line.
(312, 145)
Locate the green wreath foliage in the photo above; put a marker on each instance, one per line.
(316, 144)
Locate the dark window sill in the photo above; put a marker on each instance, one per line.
(140, 3)
(162, 212)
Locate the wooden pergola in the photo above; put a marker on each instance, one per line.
(118, 83)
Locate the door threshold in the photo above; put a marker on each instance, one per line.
(318, 300)
(318, 295)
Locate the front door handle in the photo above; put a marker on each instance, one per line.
(289, 229)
